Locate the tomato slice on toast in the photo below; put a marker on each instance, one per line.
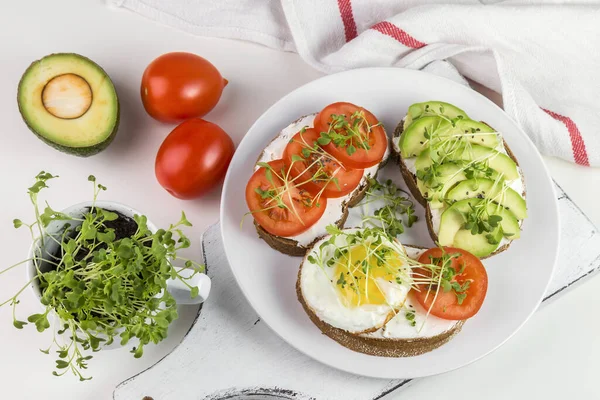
(318, 171)
(463, 293)
(280, 206)
(351, 134)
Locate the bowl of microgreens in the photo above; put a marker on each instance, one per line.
(105, 277)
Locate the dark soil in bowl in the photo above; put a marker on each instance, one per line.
(123, 226)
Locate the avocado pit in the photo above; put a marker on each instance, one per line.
(67, 96)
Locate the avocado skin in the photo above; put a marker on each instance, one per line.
(75, 151)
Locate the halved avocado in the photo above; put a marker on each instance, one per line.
(451, 223)
(460, 151)
(487, 188)
(426, 108)
(426, 130)
(70, 103)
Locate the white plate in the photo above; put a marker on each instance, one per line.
(517, 278)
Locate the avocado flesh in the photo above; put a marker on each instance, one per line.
(508, 198)
(432, 108)
(413, 141)
(450, 174)
(74, 117)
(451, 233)
(478, 245)
(460, 151)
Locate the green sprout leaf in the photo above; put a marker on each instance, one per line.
(333, 230)
(396, 211)
(107, 280)
(19, 324)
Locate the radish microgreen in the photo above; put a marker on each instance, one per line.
(101, 287)
(396, 211)
(351, 133)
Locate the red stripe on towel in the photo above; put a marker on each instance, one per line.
(577, 144)
(389, 29)
(345, 7)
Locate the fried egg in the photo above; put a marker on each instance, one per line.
(355, 283)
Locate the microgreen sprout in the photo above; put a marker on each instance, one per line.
(351, 133)
(101, 284)
(397, 208)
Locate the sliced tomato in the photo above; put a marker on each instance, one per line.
(357, 138)
(446, 304)
(316, 169)
(278, 205)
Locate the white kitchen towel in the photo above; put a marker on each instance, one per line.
(543, 56)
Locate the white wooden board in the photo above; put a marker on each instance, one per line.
(229, 353)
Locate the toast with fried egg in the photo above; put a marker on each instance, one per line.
(390, 322)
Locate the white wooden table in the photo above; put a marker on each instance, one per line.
(554, 356)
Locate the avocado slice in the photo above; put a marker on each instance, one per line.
(426, 130)
(426, 108)
(415, 139)
(457, 150)
(487, 188)
(452, 221)
(70, 103)
(478, 245)
(448, 175)
(477, 133)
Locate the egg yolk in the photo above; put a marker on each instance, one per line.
(360, 272)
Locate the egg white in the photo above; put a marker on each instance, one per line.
(318, 285)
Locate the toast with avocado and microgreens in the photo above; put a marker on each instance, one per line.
(373, 295)
(312, 172)
(464, 174)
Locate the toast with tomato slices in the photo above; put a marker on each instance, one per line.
(299, 186)
(399, 326)
(464, 174)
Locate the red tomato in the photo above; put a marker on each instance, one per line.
(301, 210)
(193, 158)
(365, 142)
(178, 86)
(318, 168)
(446, 303)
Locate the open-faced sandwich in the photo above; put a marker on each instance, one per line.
(373, 295)
(465, 175)
(311, 172)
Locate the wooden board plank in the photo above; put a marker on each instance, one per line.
(229, 353)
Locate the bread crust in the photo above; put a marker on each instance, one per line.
(411, 183)
(381, 347)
